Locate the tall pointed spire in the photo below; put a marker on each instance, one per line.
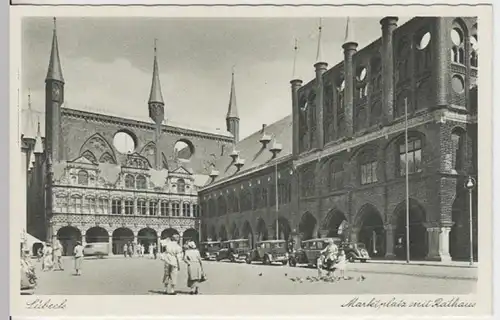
(349, 32)
(295, 51)
(55, 70)
(29, 121)
(232, 111)
(38, 143)
(156, 96)
(319, 53)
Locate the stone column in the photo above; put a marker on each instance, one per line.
(110, 245)
(389, 241)
(444, 244)
(433, 243)
(350, 49)
(122, 209)
(84, 238)
(320, 68)
(388, 24)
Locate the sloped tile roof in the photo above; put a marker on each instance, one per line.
(251, 150)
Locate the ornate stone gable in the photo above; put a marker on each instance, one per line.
(136, 161)
(97, 147)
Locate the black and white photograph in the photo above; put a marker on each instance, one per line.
(288, 155)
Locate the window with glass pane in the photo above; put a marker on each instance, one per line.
(141, 182)
(181, 186)
(79, 203)
(369, 172)
(185, 209)
(72, 204)
(116, 206)
(103, 206)
(414, 156)
(129, 181)
(153, 208)
(175, 209)
(92, 205)
(196, 210)
(129, 207)
(164, 208)
(86, 205)
(141, 207)
(336, 175)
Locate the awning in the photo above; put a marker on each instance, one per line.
(30, 240)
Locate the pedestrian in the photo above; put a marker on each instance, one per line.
(341, 264)
(39, 253)
(171, 258)
(130, 249)
(192, 258)
(57, 254)
(155, 251)
(142, 250)
(47, 258)
(78, 252)
(150, 251)
(329, 256)
(125, 250)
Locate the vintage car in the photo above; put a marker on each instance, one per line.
(269, 251)
(234, 250)
(310, 251)
(355, 251)
(210, 249)
(96, 249)
(28, 275)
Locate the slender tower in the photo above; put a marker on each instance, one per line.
(350, 48)
(54, 98)
(232, 118)
(156, 108)
(320, 67)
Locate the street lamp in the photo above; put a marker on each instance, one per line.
(275, 149)
(470, 184)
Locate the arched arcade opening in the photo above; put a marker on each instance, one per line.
(371, 230)
(307, 226)
(147, 237)
(335, 225)
(284, 229)
(68, 236)
(262, 234)
(120, 237)
(190, 235)
(96, 234)
(247, 233)
(418, 232)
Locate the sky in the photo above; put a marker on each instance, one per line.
(107, 64)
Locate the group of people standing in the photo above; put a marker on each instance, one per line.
(138, 250)
(172, 256)
(332, 259)
(50, 256)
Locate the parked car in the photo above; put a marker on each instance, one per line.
(310, 251)
(28, 275)
(234, 250)
(355, 251)
(269, 251)
(210, 249)
(96, 249)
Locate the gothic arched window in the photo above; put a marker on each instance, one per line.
(336, 175)
(458, 45)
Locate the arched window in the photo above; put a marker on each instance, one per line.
(474, 51)
(211, 208)
(181, 186)
(83, 178)
(153, 208)
(307, 181)
(221, 206)
(142, 207)
(141, 182)
(458, 46)
(129, 181)
(414, 155)
(246, 200)
(129, 207)
(257, 192)
(176, 209)
(336, 176)
(368, 167)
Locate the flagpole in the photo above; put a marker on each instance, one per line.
(407, 186)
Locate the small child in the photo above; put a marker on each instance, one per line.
(319, 265)
(341, 264)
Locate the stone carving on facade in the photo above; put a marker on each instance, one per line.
(89, 156)
(107, 158)
(137, 161)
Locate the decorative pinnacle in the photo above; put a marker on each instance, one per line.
(295, 50)
(232, 111)
(156, 95)
(319, 54)
(55, 71)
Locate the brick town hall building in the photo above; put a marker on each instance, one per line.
(340, 155)
(81, 187)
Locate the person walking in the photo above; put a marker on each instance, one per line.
(57, 254)
(130, 249)
(192, 258)
(341, 264)
(78, 252)
(125, 250)
(47, 258)
(155, 251)
(150, 251)
(171, 259)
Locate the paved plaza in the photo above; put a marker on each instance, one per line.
(142, 276)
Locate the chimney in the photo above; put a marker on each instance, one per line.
(389, 24)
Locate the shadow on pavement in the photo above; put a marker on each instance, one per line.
(164, 293)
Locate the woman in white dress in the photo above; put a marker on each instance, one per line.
(47, 258)
(341, 264)
(192, 258)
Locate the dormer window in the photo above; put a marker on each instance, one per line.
(83, 177)
(181, 186)
(141, 182)
(214, 174)
(129, 181)
(265, 139)
(276, 148)
(239, 163)
(234, 154)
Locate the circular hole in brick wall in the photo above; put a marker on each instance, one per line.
(361, 73)
(473, 43)
(183, 149)
(457, 83)
(342, 85)
(424, 41)
(456, 36)
(124, 142)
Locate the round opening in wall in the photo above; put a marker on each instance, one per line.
(424, 41)
(473, 43)
(342, 85)
(184, 150)
(456, 36)
(124, 142)
(457, 83)
(361, 73)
